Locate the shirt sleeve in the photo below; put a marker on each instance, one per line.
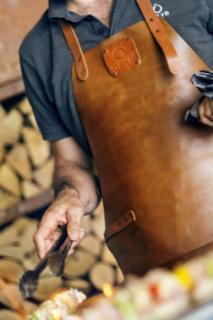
(45, 112)
(210, 21)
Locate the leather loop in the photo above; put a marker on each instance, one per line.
(119, 225)
(75, 47)
(160, 35)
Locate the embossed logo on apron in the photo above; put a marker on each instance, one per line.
(121, 56)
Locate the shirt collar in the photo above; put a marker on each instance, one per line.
(58, 10)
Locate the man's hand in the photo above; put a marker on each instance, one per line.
(77, 196)
(206, 112)
(65, 210)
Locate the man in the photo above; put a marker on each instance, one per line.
(46, 64)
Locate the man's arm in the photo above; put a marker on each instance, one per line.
(76, 195)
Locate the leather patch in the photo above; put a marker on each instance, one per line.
(122, 223)
(121, 56)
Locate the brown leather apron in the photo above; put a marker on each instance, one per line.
(156, 172)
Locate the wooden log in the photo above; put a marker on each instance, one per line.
(99, 210)
(33, 121)
(26, 206)
(9, 315)
(25, 107)
(99, 224)
(26, 239)
(9, 181)
(20, 226)
(78, 264)
(29, 307)
(108, 257)
(119, 276)
(39, 150)
(19, 161)
(79, 284)
(7, 200)
(102, 274)
(10, 296)
(31, 261)
(87, 223)
(29, 189)
(46, 287)
(7, 236)
(2, 152)
(10, 128)
(92, 244)
(44, 175)
(11, 251)
(2, 113)
(13, 232)
(10, 270)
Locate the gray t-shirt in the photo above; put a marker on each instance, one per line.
(46, 60)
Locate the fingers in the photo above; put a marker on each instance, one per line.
(41, 237)
(47, 232)
(52, 239)
(206, 112)
(76, 243)
(61, 212)
(74, 217)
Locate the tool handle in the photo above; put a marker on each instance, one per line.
(43, 263)
(66, 246)
(56, 260)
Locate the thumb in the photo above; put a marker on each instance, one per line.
(74, 218)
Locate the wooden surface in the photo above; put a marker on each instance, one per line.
(17, 17)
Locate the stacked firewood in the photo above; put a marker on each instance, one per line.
(26, 168)
(26, 164)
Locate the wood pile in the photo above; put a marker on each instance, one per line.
(26, 164)
(26, 167)
(89, 269)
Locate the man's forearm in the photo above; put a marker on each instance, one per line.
(72, 176)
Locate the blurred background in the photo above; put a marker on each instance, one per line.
(26, 167)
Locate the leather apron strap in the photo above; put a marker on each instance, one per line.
(75, 47)
(160, 36)
(155, 27)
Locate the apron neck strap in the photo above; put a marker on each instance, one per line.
(75, 47)
(155, 27)
(160, 36)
